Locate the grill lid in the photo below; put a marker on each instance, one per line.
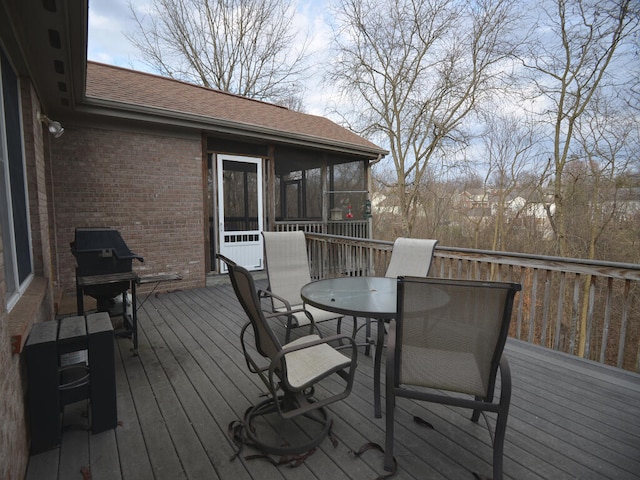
(106, 242)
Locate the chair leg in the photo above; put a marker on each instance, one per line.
(367, 350)
(339, 331)
(356, 329)
(475, 416)
(389, 431)
(376, 370)
(501, 423)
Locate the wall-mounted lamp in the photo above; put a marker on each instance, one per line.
(55, 128)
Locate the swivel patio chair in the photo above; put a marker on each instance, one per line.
(411, 256)
(290, 373)
(287, 272)
(449, 335)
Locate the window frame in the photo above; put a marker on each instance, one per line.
(12, 272)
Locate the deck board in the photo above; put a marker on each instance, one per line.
(569, 418)
(132, 450)
(104, 456)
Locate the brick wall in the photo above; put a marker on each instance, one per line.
(14, 447)
(13, 427)
(13, 441)
(147, 186)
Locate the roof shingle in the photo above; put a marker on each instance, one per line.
(116, 84)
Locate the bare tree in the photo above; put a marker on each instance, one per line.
(509, 148)
(246, 47)
(415, 74)
(607, 141)
(574, 44)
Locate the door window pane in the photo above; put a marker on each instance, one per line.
(240, 186)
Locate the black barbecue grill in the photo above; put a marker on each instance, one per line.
(101, 251)
(104, 271)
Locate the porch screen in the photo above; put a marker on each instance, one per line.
(347, 191)
(240, 199)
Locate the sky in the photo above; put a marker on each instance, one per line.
(110, 20)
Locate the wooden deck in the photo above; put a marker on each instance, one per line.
(569, 418)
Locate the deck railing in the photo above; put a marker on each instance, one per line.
(346, 228)
(585, 308)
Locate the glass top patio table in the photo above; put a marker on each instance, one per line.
(372, 297)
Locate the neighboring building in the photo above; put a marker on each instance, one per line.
(381, 204)
(181, 171)
(484, 204)
(626, 205)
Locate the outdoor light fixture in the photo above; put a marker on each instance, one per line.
(55, 128)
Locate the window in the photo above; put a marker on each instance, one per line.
(14, 215)
(301, 195)
(347, 184)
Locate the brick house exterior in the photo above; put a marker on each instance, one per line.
(35, 304)
(135, 156)
(147, 185)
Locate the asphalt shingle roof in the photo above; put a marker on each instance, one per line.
(116, 84)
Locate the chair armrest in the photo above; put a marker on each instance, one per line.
(288, 310)
(270, 294)
(319, 341)
(279, 358)
(282, 313)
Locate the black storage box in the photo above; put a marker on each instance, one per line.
(101, 251)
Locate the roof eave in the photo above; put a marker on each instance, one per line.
(159, 116)
(47, 44)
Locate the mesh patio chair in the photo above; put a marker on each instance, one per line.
(290, 373)
(411, 256)
(449, 335)
(287, 272)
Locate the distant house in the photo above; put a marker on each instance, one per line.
(381, 204)
(626, 205)
(181, 171)
(483, 204)
(475, 202)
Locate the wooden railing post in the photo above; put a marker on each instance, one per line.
(583, 314)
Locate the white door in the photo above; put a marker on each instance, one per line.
(240, 210)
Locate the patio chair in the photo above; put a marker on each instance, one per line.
(287, 272)
(411, 256)
(290, 372)
(455, 346)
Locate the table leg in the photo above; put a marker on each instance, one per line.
(376, 369)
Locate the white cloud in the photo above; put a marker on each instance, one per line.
(313, 21)
(109, 21)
